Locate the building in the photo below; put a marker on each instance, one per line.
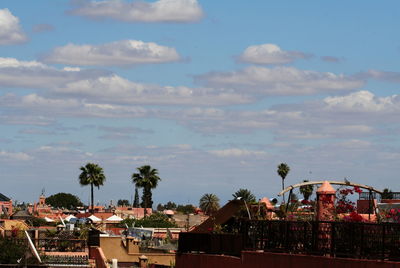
(6, 206)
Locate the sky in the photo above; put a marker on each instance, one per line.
(213, 94)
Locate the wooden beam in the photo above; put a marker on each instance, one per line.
(331, 182)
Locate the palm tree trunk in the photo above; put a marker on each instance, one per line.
(92, 197)
(283, 188)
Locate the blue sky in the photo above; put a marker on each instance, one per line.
(214, 94)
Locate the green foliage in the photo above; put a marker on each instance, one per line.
(148, 179)
(136, 199)
(155, 220)
(186, 209)
(123, 202)
(209, 203)
(93, 175)
(160, 207)
(147, 200)
(36, 222)
(283, 171)
(64, 200)
(306, 190)
(11, 250)
(169, 205)
(387, 194)
(245, 195)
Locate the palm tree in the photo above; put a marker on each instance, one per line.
(92, 174)
(147, 178)
(306, 190)
(209, 203)
(245, 195)
(283, 170)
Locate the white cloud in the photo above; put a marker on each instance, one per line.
(10, 29)
(393, 77)
(354, 116)
(236, 152)
(119, 53)
(34, 105)
(363, 101)
(102, 87)
(33, 74)
(281, 81)
(115, 89)
(4, 155)
(140, 11)
(270, 54)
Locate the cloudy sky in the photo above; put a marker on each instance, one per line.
(214, 94)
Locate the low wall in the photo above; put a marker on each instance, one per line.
(189, 260)
(97, 254)
(274, 260)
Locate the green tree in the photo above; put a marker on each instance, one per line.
(12, 250)
(245, 195)
(186, 209)
(160, 207)
(148, 179)
(64, 200)
(93, 175)
(387, 194)
(37, 222)
(170, 205)
(209, 203)
(155, 220)
(123, 203)
(136, 199)
(306, 190)
(283, 170)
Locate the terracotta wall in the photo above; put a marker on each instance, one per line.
(97, 254)
(274, 260)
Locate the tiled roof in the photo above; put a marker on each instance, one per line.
(4, 198)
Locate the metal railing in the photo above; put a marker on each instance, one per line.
(390, 195)
(228, 244)
(61, 245)
(335, 239)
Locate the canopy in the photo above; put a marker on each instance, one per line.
(48, 219)
(69, 217)
(169, 212)
(94, 218)
(114, 218)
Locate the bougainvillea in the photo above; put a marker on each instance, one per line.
(343, 204)
(393, 215)
(353, 217)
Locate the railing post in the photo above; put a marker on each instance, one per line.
(383, 241)
(333, 237)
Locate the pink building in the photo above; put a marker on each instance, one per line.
(6, 206)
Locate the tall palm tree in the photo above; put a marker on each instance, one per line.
(209, 203)
(283, 170)
(92, 174)
(148, 179)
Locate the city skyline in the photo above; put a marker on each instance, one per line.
(213, 94)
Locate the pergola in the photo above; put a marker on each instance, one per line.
(346, 183)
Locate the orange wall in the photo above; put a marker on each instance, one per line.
(114, 249)
(97, 254)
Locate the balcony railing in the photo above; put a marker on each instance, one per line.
(335, 239)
